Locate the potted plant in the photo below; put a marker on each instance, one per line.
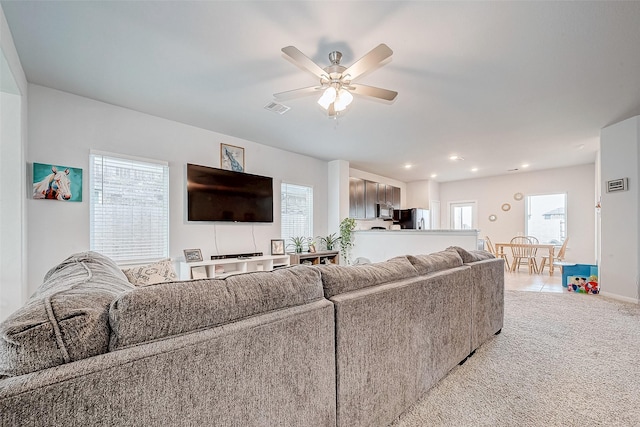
(298, 243)
(328, 242)
(346, 238)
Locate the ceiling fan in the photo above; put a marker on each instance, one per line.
(336, 81)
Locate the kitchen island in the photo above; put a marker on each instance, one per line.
(380, 245)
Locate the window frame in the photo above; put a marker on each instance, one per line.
(527, 200)
(97, 190)
(309, 207)
(461, 203)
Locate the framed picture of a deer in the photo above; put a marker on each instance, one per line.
(55, 182)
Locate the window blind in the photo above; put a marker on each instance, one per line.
(129, 216)
(296, 211)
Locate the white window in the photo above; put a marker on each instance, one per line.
(546, 217)
(129, 207)
(463, 215)
(296, 211)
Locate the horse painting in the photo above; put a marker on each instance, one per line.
(56, 186)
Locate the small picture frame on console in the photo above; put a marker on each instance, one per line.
(277, 247)
(192, 255)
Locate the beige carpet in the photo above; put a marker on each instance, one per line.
(561, 360)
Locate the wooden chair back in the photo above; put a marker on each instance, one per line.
(522, 251)
(490, 247)
(563, 249)
(534, 241)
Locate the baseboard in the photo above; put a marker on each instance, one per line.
(620, 297)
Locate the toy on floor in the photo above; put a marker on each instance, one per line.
(583, 285)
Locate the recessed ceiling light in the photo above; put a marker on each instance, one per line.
(474, 169)
(433, 175)
(456, 157)
(525, 165)
(408, 166)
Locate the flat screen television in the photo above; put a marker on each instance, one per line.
(222, 195)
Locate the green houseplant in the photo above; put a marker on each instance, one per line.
(328, 242)
(298, 243)
(346, 238)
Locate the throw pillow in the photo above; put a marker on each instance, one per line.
(150, 274)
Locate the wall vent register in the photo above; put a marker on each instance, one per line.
(620, 184)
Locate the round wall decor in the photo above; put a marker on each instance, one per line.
(492, 218)
(506, 207)
(518, 196)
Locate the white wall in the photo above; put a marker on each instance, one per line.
(492, 192)
(620, 238)
(421, 193)
(338, 194)
(13, 146)
(64, 127)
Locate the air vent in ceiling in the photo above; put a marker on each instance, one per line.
(620, 184)
(277, 108)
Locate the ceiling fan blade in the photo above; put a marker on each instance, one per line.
(376, 92)
(296, 93)
(302, 60)
(370, 60)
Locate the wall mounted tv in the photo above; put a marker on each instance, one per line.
(221, 195)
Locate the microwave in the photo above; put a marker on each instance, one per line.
(384, 211)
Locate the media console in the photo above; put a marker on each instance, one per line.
(219, 268)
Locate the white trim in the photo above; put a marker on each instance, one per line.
(527, 198)
(619, 297)
(127, 157)
(474, 212)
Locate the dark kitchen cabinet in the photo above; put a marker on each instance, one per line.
(370, 199)
(356, 198)
(396, 197)
(364, 195)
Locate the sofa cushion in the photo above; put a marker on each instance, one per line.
(66, 319)
(425, 264)
(338, 279)
(471, 256)
(149, 274)
(157, 311)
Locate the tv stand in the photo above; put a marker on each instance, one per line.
(220, 268)
(316, 258)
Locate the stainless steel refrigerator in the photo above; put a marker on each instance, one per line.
(412, 219)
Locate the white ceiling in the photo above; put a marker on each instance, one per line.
(499, 83)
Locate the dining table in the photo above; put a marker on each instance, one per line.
(551, 248)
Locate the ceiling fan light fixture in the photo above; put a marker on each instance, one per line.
(343, 99)
(336, 80)
(327, 98)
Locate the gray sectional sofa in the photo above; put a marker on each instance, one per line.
(299, 346)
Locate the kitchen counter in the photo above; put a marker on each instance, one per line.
(380, 245)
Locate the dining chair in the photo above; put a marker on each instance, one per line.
(557, 258)
(535, 241)
(492, 249)
(523, 254)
